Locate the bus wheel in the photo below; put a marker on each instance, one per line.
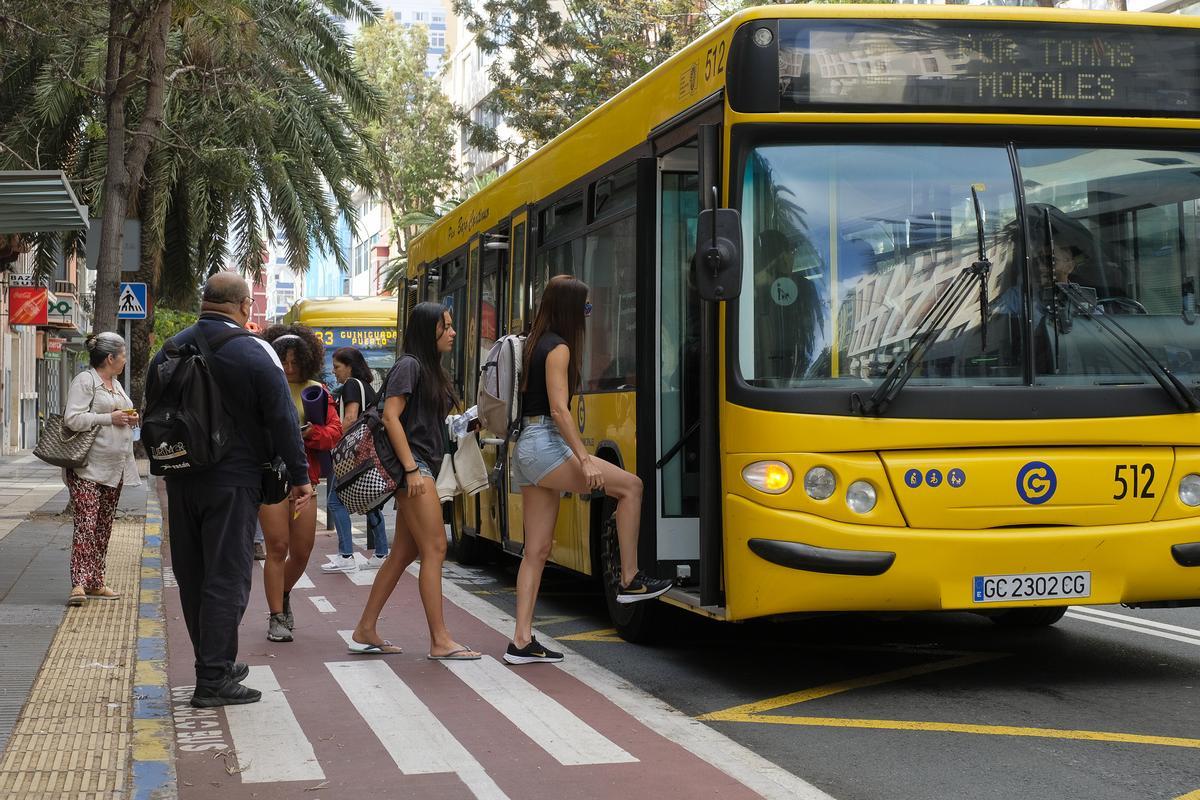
(635, 622)
(1029, 617)
(469, 550)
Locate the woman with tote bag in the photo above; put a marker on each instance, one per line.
(96, 400)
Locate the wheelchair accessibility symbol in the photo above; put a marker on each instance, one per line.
(1036, 482)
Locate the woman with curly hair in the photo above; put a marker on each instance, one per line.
(290, 534)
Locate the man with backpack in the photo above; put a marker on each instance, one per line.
(218, 410)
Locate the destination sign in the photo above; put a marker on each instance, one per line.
(972, 66)
(362, 338)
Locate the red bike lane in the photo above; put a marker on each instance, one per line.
(336, 725)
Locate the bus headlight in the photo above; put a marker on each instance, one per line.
(820, 483)
(1189, 490)
(772, 477)
(860, 497)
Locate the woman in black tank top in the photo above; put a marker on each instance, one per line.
(550, 458)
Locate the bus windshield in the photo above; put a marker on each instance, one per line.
(849, 246)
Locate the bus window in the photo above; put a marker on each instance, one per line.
(1124, 226)
(679, 356)
(518, 301)
(849, 246)
(566, 258)
(610, 349)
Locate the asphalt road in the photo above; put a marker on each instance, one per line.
(1101, 706)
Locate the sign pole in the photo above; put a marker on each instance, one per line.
(128, 353)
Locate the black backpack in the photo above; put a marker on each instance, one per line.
(186, 426)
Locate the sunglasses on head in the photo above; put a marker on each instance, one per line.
(587, 309)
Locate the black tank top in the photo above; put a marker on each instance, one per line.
(536, 401)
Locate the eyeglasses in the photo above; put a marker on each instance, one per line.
(587, 309)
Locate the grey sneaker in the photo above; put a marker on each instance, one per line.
(277, 629)
(289, 618)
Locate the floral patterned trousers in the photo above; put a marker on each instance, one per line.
(95, 506)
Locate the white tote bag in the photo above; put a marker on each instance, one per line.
(463, 471)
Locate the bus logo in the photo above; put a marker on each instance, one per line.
(1036, 482)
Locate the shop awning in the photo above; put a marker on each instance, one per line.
(36, 201)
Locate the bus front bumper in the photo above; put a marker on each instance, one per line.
(780, 562)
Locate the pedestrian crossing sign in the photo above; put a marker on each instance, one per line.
(131, 301)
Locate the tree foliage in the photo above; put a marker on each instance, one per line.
(167, 323)
(414, 136)
(263, 130)
(554, 61)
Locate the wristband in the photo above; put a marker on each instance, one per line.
(411, 471)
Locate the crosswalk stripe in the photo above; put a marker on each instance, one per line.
(1150, 623)
(323, 605)
(1136, 628)
(269, 742)
(543, 719)
(415, 739)
(305, 582)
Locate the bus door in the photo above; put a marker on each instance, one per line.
(676, 442)
(493, 266)
(517, 311)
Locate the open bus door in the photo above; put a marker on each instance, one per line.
(488, 505)
(519, 307)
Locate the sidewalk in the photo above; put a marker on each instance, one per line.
(66, 675)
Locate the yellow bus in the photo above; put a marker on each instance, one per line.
(894, 309)
(366, 323)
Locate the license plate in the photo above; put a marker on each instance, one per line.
(1032, 586)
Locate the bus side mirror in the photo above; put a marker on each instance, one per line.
(717, 266)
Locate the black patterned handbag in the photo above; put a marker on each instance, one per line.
(366, 470)
(62, 447)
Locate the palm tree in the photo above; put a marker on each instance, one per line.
(263, 133)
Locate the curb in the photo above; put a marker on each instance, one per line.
(153, 762)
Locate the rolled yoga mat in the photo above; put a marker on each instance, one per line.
(315, 409)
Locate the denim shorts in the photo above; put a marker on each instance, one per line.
(422, 468)
(540, 450)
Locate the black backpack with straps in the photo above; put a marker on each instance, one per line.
(186, 427)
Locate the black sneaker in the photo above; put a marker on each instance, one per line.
(227, 693)
(239, 671)
(643, 587)
(531, 653)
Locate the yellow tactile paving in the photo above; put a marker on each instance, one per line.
(73, 739)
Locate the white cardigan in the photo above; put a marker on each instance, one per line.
(110, 461)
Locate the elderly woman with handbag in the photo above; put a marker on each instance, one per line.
(96, 401)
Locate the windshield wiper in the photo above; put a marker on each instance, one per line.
(1086, 307)
(931, 326)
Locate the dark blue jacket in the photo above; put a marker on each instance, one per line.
(260, 401)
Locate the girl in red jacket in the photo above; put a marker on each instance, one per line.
(289, 534)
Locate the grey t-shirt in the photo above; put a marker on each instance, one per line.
(422, 423)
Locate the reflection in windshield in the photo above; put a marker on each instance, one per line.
(852, 247)
(1126, 228)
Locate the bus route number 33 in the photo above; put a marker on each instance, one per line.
(1133, 481)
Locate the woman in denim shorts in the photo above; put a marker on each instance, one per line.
(417, 396)
(550, 458)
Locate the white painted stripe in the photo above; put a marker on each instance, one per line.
(270, 745)
(551, 726)
(743, 765)
(364, 577)
(415, 739)
(1136, 628)
(305, 582)
(1150, 623)
(323, 605)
